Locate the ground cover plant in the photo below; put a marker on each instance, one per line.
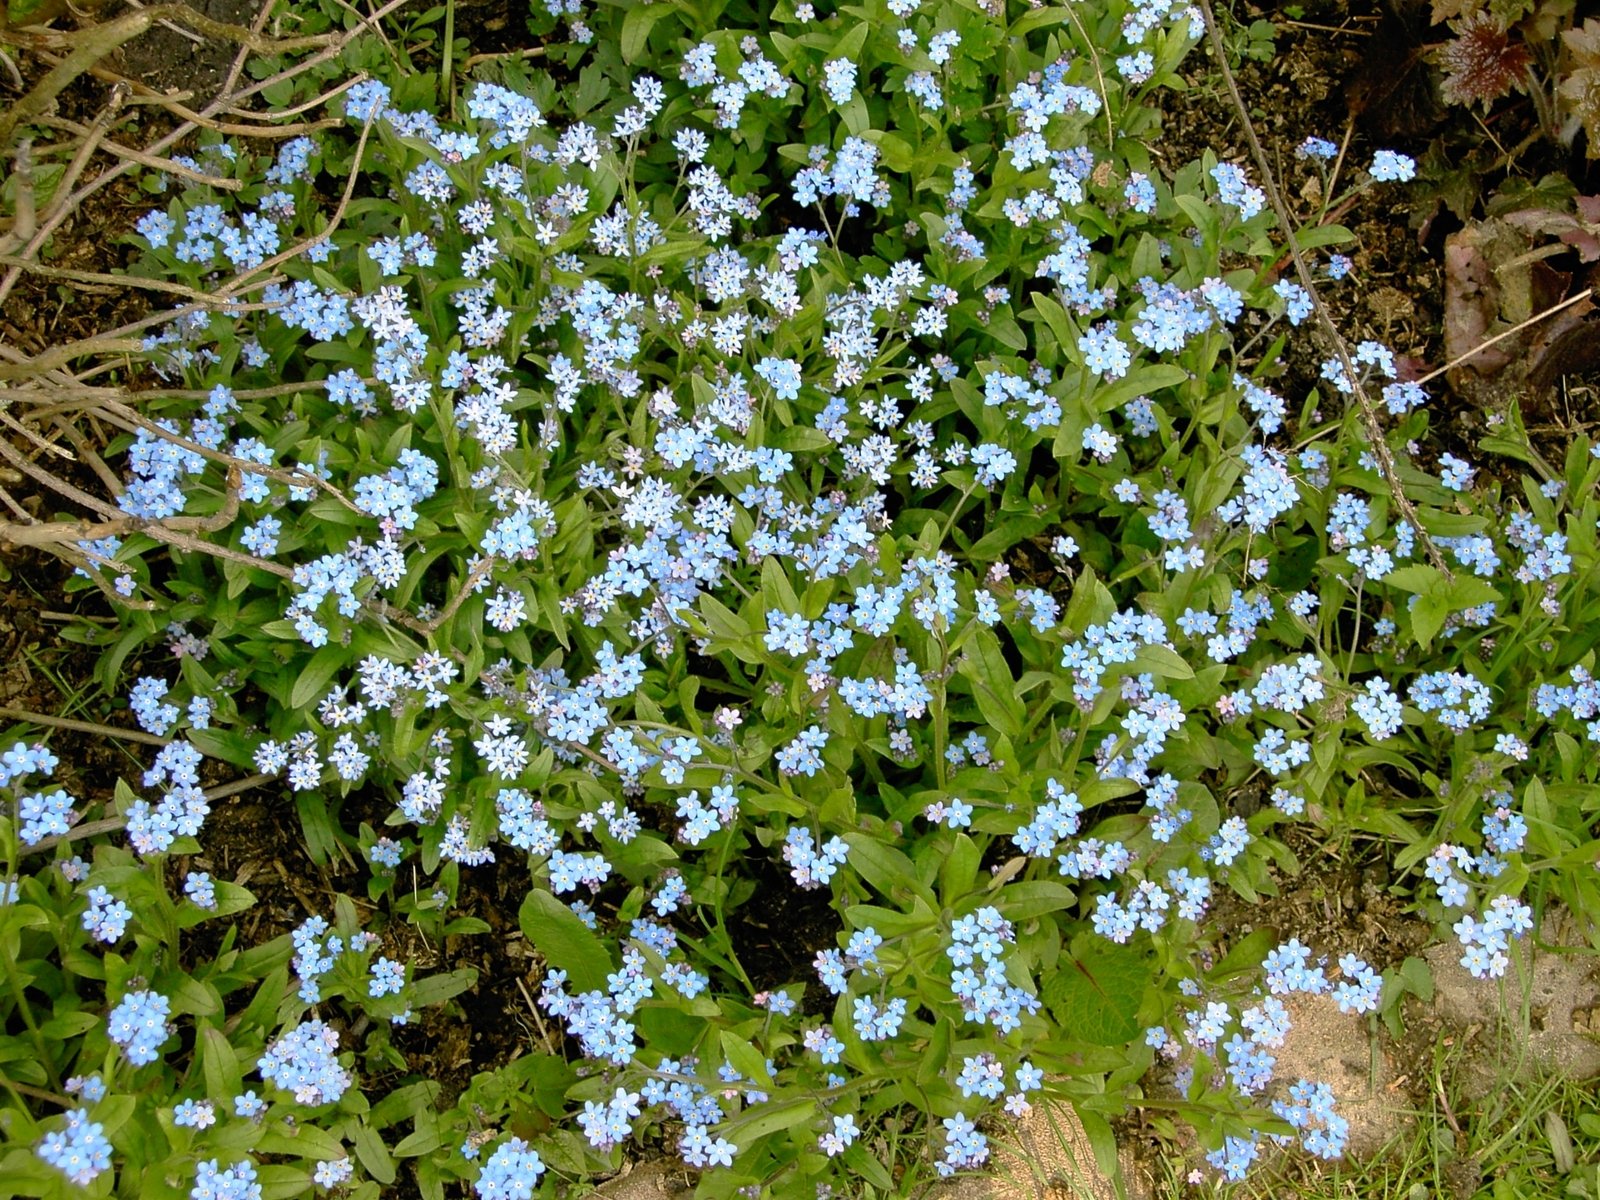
(734, 450)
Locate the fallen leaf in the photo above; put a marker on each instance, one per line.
(1582, 233)
(1566, 344)
(1475, 293)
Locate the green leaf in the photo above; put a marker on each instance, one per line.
(897, 153)
(636, 27)
(1419, 579)
(195, 997)
(410, 1101)
(865, 1166)
(745, 1058)
(219, 1063)
(770, 1118)
(312, 682)
(371, 1153)
(1324, 235)
(887, 921)
(428, 1136)
(1034, 898)
(68, 1025)
(1142, 380)
(1091, 603)
(722, 620)
(1056, 319)
(888, 870)
(1418, 978)
(1428, 616)
(565, 941)
(1006, 331)
(302, 1140)
(936, 1054)
(992, 686)
(1039, 18)
(959, 871)
(1012, 529)
(548, 1080)
(669, 1030)
(322, 840)
(1096, 996)
(1161, 660)
(436, 989)
(1468, 591)
(1103, 1141)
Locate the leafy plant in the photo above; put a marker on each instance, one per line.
(822, 459)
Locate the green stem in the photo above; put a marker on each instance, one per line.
(13, 974)
(446, 60)
(1355, 636)
(955, 511)
(720, 910)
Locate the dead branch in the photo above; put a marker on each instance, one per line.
(154, 161)
(89, 46)
(1369, 413)
(228, 101)
(113, 824)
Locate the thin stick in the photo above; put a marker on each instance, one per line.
(1369, 414)
(126, 418)
(26, 219)
(240, 281)
(1500, 337)
(70, 491)
(242, 55)
(1328, 28)
(72, 398)
(58, 356)
(476, 576)
(1338, 163)
(113, 824)
(11, 69)
(45, 447)
(227, 102)
(87, 453)
(153, 161)
(161, 532)
(10, 502)
(89, 46)
(530, 52)
(128, 281)
(305, 106)
(177, 29)
(128, 735)
(92, 137)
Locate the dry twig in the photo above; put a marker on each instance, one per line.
(1369, 413)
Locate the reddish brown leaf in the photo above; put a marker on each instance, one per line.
(1471, 302)
(1482, 63)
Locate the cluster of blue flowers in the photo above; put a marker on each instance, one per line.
(976, 951)
(138, 1025)
(513, 447)
(80, 1151)
(304, 1063)
(1247, 1060)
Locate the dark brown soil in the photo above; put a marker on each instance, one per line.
(169, 61)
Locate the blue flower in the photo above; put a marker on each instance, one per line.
(1104, 352)
(106, 917)
(1388, 166)
(81, 1151)
(303, 1061)
(138, 1024)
